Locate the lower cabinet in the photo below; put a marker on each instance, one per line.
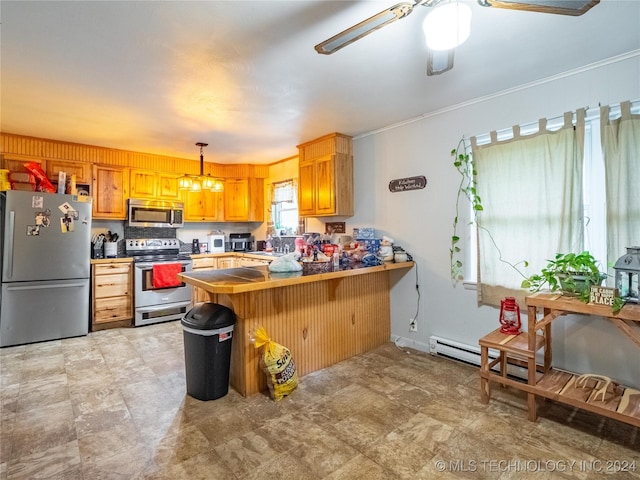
(232, 261)
(251, 262)
(205, 263)
(112, 295)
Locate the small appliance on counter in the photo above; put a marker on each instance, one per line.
(241, 242)
(195, 246)
(216, 242)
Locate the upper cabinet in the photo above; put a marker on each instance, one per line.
(82, 171)
(153, 185)
(167, 186)
(203, 206)
(325, 177)
(142, 183)
(244, 200)
(110, 190)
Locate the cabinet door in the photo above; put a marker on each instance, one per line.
(110, 191)
(203, 206)
(82, 171)
(236, 200)
(167, 186)
(17, 164)
(325, 185)
(252, 262)
(143, 183)
(256, 200)
(112, 296)
(227, 262)
(306, 189)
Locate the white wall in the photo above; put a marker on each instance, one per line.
(421, 220)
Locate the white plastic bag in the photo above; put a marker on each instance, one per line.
(286, 263)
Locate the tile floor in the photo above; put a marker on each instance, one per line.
(112, 405)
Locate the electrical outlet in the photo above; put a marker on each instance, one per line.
(413, 325)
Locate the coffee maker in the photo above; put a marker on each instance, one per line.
(241, 242)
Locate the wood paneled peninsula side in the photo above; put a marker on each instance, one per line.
(322, 318)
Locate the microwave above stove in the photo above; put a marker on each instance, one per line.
(155, 213)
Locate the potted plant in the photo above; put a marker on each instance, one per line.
(571, 273)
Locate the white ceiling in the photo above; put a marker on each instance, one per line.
(243, 76)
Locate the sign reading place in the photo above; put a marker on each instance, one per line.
(409, 183)
(602, 295)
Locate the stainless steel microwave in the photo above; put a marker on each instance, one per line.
(155, 213)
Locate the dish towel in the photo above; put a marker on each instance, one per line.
(164, 275)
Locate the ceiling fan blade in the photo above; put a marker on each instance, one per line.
(365, 27)
(562, 7)
(439, 61)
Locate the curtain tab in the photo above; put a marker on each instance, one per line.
(625, 110)
(542, 125)
(516, 131)
(494, 136)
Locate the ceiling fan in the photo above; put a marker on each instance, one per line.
(440, 58)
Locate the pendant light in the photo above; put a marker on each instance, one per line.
(202, 182)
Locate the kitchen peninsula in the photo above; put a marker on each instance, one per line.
(322, 318)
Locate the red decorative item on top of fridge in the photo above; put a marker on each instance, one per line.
(510, 316)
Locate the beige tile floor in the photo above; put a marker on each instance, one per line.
(112, 405)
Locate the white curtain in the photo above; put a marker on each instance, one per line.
(621, 148)
(531, 192)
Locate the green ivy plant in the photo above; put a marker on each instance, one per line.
(463, 162)
(573, 274)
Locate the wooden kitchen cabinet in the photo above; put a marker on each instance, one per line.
(251, 262)
(203, 206)
(325, 177)
(202, 263)
(148, 184)
(244, 200)
(110, 190)
(142, 183)
(167, 186)
(112, 295)
(227, 262)
(82, 171)
(16, 163)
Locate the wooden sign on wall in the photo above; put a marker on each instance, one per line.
(409, 183)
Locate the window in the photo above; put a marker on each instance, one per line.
(592, 229)
(284, 208)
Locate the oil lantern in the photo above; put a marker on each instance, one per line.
(510, 316)
(627, 270)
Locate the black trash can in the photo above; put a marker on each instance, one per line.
(208, 331)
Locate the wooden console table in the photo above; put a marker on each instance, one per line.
(617, 402)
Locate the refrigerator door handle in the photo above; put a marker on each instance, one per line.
(9, 246)
(44, 287)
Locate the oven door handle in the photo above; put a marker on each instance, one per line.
(156, 308)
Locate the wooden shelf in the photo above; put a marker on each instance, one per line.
(618, 402)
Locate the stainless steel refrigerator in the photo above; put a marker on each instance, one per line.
(45, 243)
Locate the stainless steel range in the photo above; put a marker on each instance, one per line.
(156, 299)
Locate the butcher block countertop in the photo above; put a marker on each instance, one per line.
(250, 279)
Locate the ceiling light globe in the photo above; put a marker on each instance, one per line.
(447, 26)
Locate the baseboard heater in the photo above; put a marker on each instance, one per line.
(443, 347)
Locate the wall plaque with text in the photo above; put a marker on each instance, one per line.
(409, 183)
(602, 295)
